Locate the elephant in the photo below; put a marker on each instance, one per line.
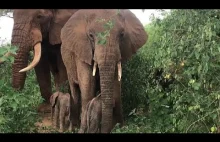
(39, 30)
(95, 44)
(61, 103)
(93, 115)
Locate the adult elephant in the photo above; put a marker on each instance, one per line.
(39, 30)
(102, 38)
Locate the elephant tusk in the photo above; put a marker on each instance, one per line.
(37, 55)
(119, 71)
(94, 69)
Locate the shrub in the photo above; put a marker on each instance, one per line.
(185, 44)
(17, 108)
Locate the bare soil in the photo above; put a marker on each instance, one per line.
(45, 123)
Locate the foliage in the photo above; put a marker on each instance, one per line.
(134, 82)
(5, 53)
(5, 12)
(186, 45)
(108, 25)
(17, 108)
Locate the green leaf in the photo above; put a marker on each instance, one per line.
(218, 47)
(118, 11)
(4, 58)
(205, 70)
(197, 55)
(102, 42)
(106, 26)
(199, 69)
(190, 29)
(3, 51)
(2, 119)
(190, 108)
(213, 129)
(214, 116)
(196, 85)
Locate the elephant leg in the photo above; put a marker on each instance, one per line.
(42, 71)
(70, 125)
(62, 74)
(56, 120)
(87, 88)
(54, 68)
(74, 102)
(62, 118)
(58, 70)
(117, 110)
(74, 109)
(52, 115)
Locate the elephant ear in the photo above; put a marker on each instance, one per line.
(53, 98)
(135, 35)
(74, 36)
(61, 16)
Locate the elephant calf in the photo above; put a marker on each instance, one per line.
(93, 115)
(61, 103)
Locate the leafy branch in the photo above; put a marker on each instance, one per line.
(6, 12)
(200, 119)
(7, 53)
(108, 26)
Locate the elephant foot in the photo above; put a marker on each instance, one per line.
(61, 130)
(44, 108)
(81, 131)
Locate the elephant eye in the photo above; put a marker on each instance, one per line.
(39, 16)
(122, 34)
(91, 36)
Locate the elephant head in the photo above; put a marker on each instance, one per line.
(31, 27)
(104, 38)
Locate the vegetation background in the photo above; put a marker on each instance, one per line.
(170, 85)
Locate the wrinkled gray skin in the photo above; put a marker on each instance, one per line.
(93, 115)
(60, 103)
(83, 54)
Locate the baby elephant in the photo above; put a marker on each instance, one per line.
(61, 103)
(93, 115)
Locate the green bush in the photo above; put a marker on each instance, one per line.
(17, 108)
(186, 44)
(134, 84)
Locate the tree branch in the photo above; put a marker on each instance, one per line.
(6, 15)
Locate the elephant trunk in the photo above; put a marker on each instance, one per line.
(24, 42)
(37, 39)
(21, 60)
(19, 39)
(107, 76)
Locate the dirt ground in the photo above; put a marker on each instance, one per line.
(45, 125)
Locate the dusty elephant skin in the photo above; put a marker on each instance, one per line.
(60, 104)
(94, 64)
(93, 115)
(39, 30)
